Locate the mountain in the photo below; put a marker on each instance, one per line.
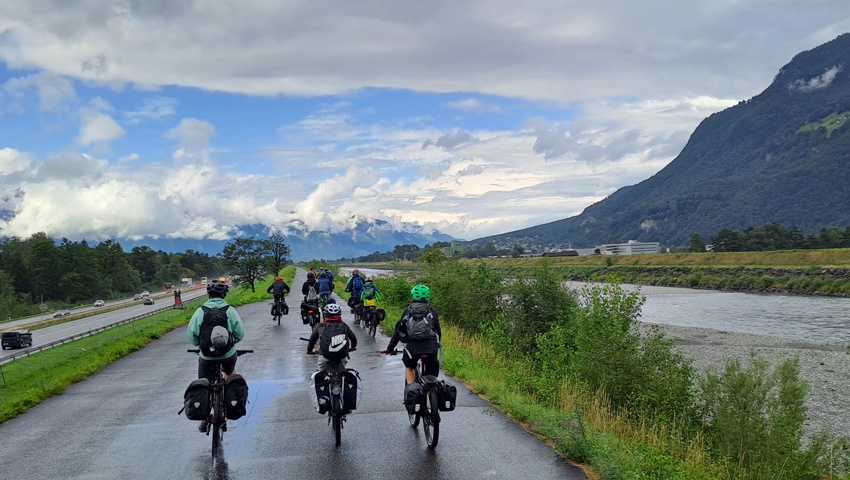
(368, 236)
(782, 156)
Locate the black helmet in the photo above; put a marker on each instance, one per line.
(217, 288)
(311, 275)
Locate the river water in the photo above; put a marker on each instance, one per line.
(805, 318)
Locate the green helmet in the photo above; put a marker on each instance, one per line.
(421, 292)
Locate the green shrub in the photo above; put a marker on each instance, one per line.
(754, 421)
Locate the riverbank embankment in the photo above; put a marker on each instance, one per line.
(824, 367)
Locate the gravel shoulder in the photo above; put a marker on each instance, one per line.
(826, 368)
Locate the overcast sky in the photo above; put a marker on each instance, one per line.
(137, 118)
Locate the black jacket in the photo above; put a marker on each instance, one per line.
(279, 287)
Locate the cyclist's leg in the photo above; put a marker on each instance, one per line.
(432, 364)
(409, 367)
(228, 366)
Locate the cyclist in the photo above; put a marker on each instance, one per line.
(310, 283)
(279, 288)
(208, 365)
(329, 272)
(415, 348)
(354, 285)
(332, 313)
(326, 286)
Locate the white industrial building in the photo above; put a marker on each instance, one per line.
(630, 248)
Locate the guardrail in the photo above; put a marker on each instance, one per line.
(31, 350)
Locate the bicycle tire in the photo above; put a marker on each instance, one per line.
(413, 418)
(336, 413)
(373, 325)
(216, 424)
(431, 423)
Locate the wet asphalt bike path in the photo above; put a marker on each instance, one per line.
(123, 422)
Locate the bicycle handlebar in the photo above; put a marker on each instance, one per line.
(238, 352)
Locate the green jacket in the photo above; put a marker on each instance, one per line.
(234, 326)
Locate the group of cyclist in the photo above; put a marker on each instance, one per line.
(415, 349)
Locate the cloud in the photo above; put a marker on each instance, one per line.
(821, 81)
(53, 90)
(450, 141)
(473, 105)
(192, 134)
(13, 161)
(153, 108)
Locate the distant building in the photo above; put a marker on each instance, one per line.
(630, 248)
(455, 247)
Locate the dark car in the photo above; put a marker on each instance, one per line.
(61, 313)
(148, 301)
(17, 339)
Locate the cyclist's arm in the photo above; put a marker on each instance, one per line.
(235, 323)
(269, 290)
(314, 337)
(286, 288)
(395, 338)
(437, 327)
(194, 328)
(351, 337)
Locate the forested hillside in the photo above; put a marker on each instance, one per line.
(781, 156)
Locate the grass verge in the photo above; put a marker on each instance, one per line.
(28, 381)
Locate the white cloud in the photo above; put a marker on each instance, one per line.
(820, 81)
(98, 128)
(13, 161)
(473, 105)
(154, 108)
(192, 134)
(53, 90)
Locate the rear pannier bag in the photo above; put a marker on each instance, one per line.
(352, 389)
(447, 397)
(196, 399)
(274, 309)
(285, 308)
(413, 397)
(320, 392)
(235, 397)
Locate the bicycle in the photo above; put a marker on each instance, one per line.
(427, 409)
(280, 307)
(337, 412)
(217, 421)
(371, 318)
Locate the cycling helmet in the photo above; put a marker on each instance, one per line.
(332, 310)
(421, 292)
(217, 288)
(278, 278)
(311, 275)
(356, 271)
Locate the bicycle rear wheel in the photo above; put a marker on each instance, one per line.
(431, 420)
(216, 424)
(373, 325)
(336, 413)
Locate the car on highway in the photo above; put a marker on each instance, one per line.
(17, 339)
(146, 293)
(148, 301)
(137, 296)
(61, 313)
(99, 303)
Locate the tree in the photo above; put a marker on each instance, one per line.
(277, 252)
(696, 245)
(245, 257)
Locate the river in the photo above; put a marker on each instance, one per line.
(805, 318)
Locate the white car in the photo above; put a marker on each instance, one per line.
(99, 303)
(146, 294)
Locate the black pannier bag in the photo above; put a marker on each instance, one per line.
(413, 397)
(235, 397)
(196, 399)
(285, 308)
(274, 309)
(447, 397)
(320, 392)
(352, 389)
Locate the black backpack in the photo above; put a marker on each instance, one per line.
(419, 322)
(214, 317)
(334, 341)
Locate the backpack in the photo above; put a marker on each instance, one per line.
(356, 284)
(214, 317)
(196, 399)
(312, 294)
(419, 321)
(235, 397)
(369, 290)
(334, 341)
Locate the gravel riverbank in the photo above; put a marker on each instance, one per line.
(826, 368)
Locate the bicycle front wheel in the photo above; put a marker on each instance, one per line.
(431, 421)
(216, 425)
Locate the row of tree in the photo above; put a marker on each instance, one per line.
(772, 236)
(40, 269)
